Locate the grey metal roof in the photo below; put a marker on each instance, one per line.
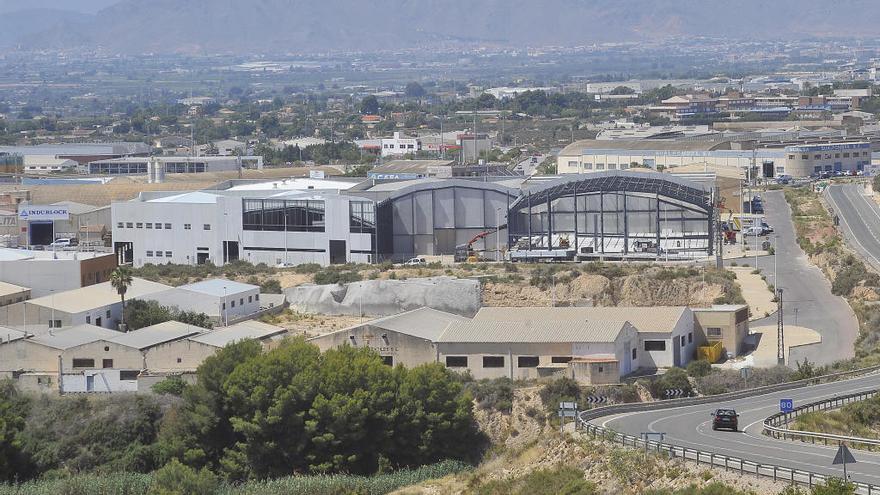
(617, 180)
(154, 335)
(9, 334)
(645, 319)
(424, 323)
(71, 337)
(96, 296)
(218, 287)
(221, 337)
(534, 331)
(407, 187)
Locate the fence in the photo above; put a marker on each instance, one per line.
(744, 466)
(729, 463)
(774, 426)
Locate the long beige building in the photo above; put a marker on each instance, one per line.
(594, 345)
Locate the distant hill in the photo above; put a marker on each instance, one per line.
(248, 26)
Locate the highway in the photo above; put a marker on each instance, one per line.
(807, 298)
(691, 427)
(859, 220)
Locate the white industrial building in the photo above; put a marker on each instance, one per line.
(398, 145)
(171, 165)
(245, 222)
(222, 300)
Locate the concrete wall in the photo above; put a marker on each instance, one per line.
(180, 355)
(733, 332)
(387, 297)
(96, 381)
(123, 357)
(29, 356)
(42, 276)
(403, 349)
(595, 373)
(666, 358)
(96, 270)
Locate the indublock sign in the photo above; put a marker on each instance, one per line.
(33, 213)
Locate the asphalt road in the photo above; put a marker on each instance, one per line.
(859, 220)
(690, 427)
(807, 299)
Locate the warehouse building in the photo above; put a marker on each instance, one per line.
(45, 272)
(801, 159)
(432, 216)
(220, 299)
(595, 345)
(161, 165)
(615, 214)
(98, 305)
(273, 227)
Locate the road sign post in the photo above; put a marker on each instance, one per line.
(786, 405)
(844, 456)
(567, 410)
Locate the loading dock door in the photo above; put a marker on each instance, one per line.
(676, 351)
(337, 253)
(40, 233)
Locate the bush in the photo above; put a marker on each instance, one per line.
(721, 381)
(560, 390)
(337, 275)
(852, 273)
(495, 394)
(699, 368)
(173, 385)
(177, 479)
(267, 285)
(560, 480)
(307, 268)
(673, 379)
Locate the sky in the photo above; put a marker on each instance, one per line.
(82, 6)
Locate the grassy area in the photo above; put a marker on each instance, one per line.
(859, 419)
(148, 484)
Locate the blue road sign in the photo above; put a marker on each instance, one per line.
(786, 405)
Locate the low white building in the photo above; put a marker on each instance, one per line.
(222, 300)
(46, 164)
(259, 226)
(398, 145)
(137, 165)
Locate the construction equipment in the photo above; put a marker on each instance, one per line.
(465, 252)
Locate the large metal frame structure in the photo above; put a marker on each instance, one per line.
(616, 213)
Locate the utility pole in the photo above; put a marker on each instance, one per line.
(719, 236)
(780, 330)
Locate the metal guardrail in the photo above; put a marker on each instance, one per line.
(774, 426)
(729, 463)
(744, 466)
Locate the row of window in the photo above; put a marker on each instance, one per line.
(251, 299)
(158, 254)
(498, 361)
(97, 320)
(156, 225)
(400, 146)
(599, 166)
(855, 154)
(283, 215)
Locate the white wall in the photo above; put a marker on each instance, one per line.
(212, 306)
(42, 275)
(266, 246)
(102, 381)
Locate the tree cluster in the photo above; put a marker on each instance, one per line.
(140, 314)
(295, 410)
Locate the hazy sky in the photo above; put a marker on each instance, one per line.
(84, 6)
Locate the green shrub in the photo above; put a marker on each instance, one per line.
(173, 385)
(674, 378)
(560, 480)
(307, 268)
(495, 394)
(178, 479)
(337, 275)
(560, 390)
(698, 368)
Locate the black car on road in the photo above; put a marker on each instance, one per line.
(725, 419)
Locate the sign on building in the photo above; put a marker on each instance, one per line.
(37, 213)
(8, 221)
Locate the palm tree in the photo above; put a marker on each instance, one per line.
(121, 279)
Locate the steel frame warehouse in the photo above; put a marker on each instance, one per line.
(611, 211)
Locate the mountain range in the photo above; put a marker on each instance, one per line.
(302, 26)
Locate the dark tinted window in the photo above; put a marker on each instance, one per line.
(493, 361)
(456, 361)
(527, 361)
(655, 345)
